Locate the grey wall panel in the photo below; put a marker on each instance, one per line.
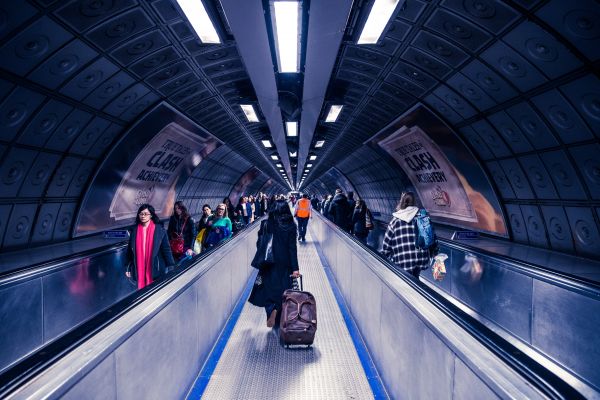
(535, 226)
(563, 174)
(19, 335)
(14, 170)
(102, 381)
(83, 16)
(44, 123)
(442, 108)
(467, 386)
(458, 29)
(584, 94)
(541, 49)
(87, 80)
(171, 329)
(538, 133)
(69, 130)
(569, 18)
(109, 135)
(563, 118)
(108, 90)
(32, 45)
(81, 177)
(559, 233)
(588, 162)
(119, 28)
(44, 225)
(90, 134)
(578, 352)
(471, 91)
(5, 211)
(19, 225)
(63, 64)
(126, 99)
(514, 67)
(140, 47)
(64, 221)
(585, 231)
(510, 132)
(63, 177)
(501, 180)
(15, 16)
(454, 100)
(538, 177)
(15, 111)
(517, 179)
(491, 137)
(492, 83)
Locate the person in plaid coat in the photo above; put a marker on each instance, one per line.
(399, 241)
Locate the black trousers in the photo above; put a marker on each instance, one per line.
(302, 224)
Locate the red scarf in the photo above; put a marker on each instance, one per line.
(144, 258)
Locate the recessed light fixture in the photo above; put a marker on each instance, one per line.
(248, 110)
(267, 143)
(196, 13)
(308, 165)
(279, 165)
(334, 113)
(312, 158)
(291, 128)
(319, 143)
(378, 18)
(274, 157)
(293, 153)
(287, 35)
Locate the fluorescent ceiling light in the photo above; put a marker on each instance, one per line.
(279, 165)
(334, 112)
(320, 143)
(293, 153)
(287, 34)
(308, 165)
(250, 113)
(267, 143)
(196, 13)
(274, 157)
(312, 158)
(291, 128)
(378, 18)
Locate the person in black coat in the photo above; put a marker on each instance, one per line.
(340, 211)
(274, 279)
(182, 225)
(140, 268)
(359, 221)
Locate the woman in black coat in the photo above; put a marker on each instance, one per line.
(359, 221)
(274, 279)
(148, 253)
(182, 225)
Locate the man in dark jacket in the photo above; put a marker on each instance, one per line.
(339, 210)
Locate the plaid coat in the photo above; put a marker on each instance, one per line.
(399, 246)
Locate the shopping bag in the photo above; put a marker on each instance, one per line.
(438, 268)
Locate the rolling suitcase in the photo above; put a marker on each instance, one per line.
(298, 323)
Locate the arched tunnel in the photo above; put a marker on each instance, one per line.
(488, 110)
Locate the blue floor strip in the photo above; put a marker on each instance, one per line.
(367, 363)
(201, 382)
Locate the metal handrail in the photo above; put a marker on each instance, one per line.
(535, 373)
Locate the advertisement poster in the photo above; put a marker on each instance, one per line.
(448, 179)
(149, 165)
(240, 188)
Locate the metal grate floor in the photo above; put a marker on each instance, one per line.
(255, 366)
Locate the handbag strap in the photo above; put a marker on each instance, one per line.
(183, 226)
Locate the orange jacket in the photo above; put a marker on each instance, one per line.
(303, 208)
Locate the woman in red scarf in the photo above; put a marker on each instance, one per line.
(149, 253)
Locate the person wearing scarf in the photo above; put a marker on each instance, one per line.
(148, 252)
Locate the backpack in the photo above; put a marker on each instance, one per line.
(424, 234)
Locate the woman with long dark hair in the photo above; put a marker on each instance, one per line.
(273, 280)
(148, 253)
(362, 221)
(182, 231)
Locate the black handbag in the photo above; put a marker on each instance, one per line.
(264, 248)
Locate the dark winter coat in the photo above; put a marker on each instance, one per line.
(340, 211)
(189, 230)
(203, 222)
(359, 223)
(276, 278)
(161, 253)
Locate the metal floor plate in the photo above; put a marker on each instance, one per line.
(255, 366)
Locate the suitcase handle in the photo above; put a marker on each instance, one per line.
(299, 276)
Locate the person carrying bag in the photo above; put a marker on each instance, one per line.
(177, 243)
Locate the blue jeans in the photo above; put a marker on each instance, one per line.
(302, 224)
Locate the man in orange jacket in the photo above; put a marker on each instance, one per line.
(302, 211)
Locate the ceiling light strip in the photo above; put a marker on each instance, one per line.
(196, 13)
(379, 16)
(287, 35)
